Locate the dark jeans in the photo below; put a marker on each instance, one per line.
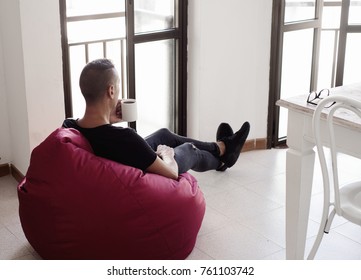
(189, 153)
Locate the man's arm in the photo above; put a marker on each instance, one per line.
(165, 163)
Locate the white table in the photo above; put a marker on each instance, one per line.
(301, 157)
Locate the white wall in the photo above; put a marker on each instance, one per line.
(228, 70)
(40, 25)
(5, 147)
(32, 64)
(14, 82)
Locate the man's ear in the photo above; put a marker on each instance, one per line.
(111, 91)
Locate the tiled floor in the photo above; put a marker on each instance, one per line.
(245, 216)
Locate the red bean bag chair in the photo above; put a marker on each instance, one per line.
(75, 205)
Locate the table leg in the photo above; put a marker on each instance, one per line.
(299, 176)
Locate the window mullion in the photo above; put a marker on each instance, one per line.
(66, 63)
(342, 42)
(130, 48)
(316, 47)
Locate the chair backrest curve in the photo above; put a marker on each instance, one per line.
(341, 102)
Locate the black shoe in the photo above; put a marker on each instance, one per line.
(223, 167)
(234, 145)
(224, 130)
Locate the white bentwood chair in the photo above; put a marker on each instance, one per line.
(347, 198)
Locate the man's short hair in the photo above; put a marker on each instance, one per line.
(95, 79)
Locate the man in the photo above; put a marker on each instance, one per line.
(163, 152)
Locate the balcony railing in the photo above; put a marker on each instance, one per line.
(105, 51)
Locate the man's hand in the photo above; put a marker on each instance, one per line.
(116, 114)
(165, 152)
(165, 163)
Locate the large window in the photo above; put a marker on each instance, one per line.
(146, 39)
(315, 45)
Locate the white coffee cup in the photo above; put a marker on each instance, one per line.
(129, 110)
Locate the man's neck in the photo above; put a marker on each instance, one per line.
(93, 117)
